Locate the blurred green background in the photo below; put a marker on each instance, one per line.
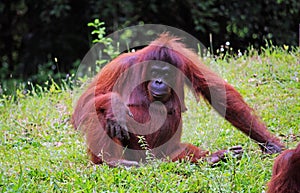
(48, 38)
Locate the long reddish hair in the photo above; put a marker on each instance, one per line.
(286, 172)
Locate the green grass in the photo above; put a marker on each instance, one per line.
(40, 151)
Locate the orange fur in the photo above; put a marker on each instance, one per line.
(286, 173)
(94, 107)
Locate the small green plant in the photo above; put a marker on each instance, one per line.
(106, 42)
(144, 145)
